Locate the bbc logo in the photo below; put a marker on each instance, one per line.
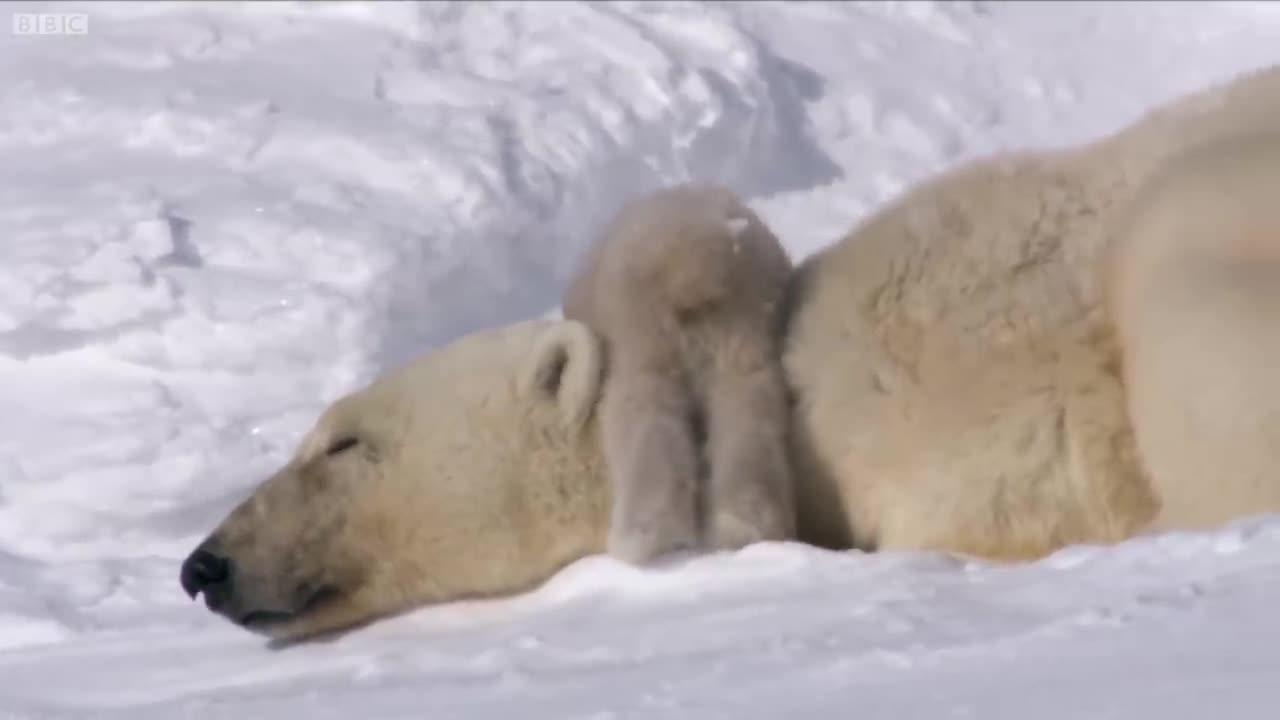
(50, 24)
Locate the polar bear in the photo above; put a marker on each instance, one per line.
(1027, 352)
(472, 472)
(684, 288)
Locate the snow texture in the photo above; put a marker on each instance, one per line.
(216, 217)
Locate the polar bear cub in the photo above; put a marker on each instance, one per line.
(685, 290)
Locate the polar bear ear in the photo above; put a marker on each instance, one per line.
(566, 364)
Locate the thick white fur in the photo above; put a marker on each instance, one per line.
(963, 383)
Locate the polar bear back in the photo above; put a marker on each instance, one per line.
(957, 378)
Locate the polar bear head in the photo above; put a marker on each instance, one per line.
(474, 472)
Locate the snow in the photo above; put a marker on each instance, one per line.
(216, 217)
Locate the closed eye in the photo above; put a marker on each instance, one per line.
(341, 445)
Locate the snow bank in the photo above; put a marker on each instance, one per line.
(214, 217)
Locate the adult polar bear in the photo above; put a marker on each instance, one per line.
(1026, 352)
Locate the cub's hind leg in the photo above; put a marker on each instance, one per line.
(653, 465)
(749, 493)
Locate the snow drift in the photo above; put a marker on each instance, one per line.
(215, 217)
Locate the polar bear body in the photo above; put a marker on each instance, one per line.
(684, 288)
(959, 373)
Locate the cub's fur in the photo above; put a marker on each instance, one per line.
(685, 290)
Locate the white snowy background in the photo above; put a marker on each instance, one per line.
(214, 218)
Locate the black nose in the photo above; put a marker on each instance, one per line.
(207, 572)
